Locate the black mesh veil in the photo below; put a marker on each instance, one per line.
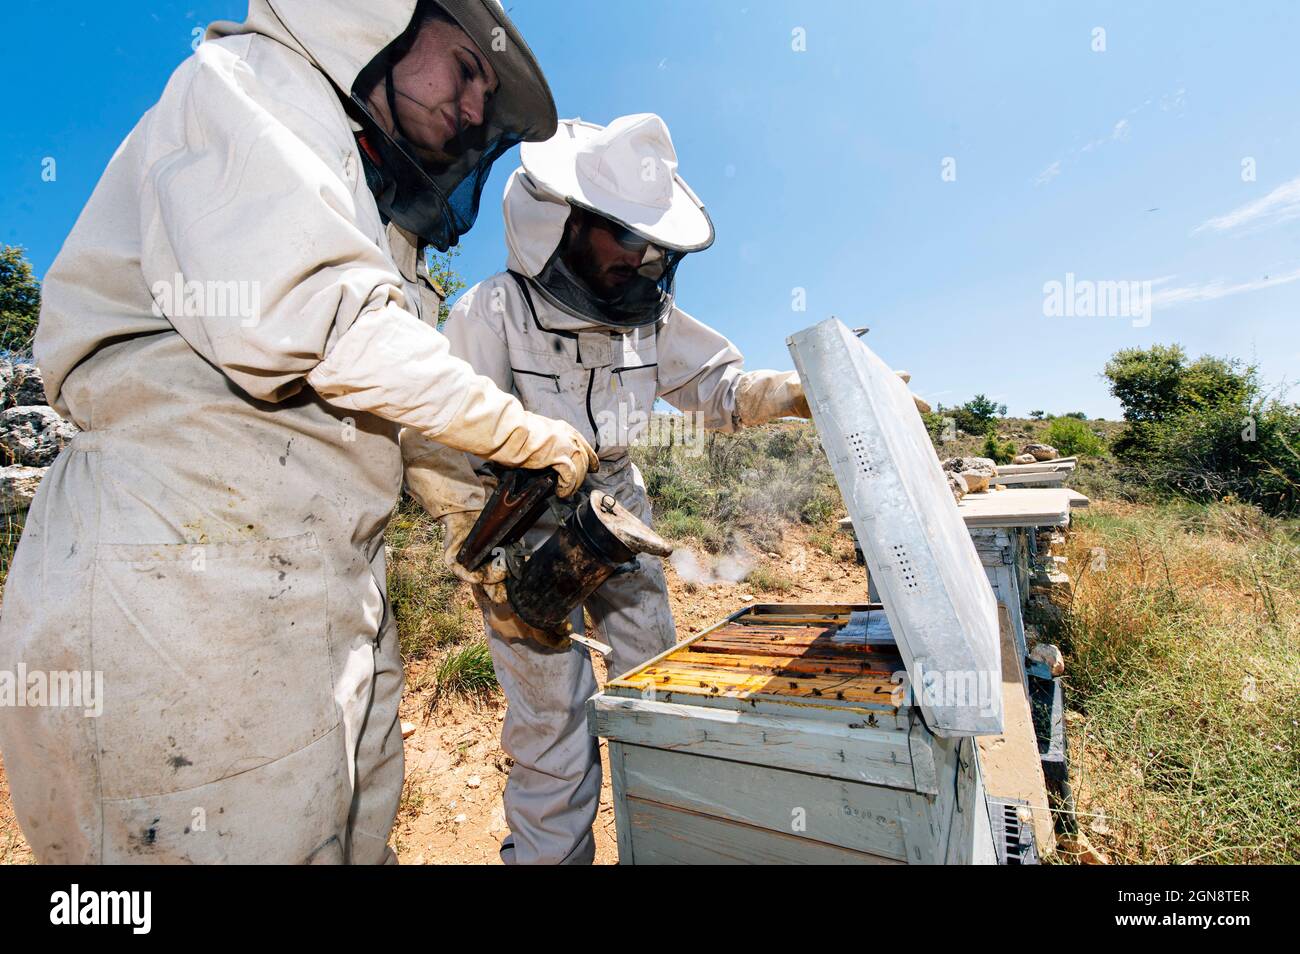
(437, 203)
(646, 298)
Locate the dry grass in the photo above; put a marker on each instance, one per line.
(1184, 660)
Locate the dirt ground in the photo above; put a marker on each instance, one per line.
(451, 810)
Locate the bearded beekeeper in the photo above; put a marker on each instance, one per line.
(583, 326)
(212, 542)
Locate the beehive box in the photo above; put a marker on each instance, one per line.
(790, 733)
(769, 738)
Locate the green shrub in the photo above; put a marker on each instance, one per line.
(1072, 437)
(1202, 430)
(1000, 452)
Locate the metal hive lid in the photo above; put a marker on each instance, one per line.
(917, 548)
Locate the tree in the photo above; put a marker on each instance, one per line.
(977, 414)
(1203, 430)
(1155, 383)
(446, 277)
(20, 300)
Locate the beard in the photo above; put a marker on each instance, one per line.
(607, 281)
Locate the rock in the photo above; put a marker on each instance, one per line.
(474, 781)
(976, 465)
(33, 435)
(1024, 459)
(25, 387)
(975, 472)
(18, 486)
(1041, 451)
(1082, 849)
(957, 485)
(408, 729)
(6, 374)
(1050, 656)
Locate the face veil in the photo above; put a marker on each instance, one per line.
(439, 201)
(643, 299)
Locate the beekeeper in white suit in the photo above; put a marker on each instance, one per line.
(212, 542)
(583, 327)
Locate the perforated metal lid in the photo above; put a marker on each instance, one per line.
(918, 551)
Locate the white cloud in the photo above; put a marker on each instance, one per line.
(1118, 133)
(1280, 205)
(1216, 289)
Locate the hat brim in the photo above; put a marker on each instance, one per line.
(684, 226)
(523, 104)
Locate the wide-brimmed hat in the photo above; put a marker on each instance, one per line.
(626, 171)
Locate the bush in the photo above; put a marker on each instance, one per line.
(1202, 430)
(1072, 437)
(1209, 454)
(1000, 452)
(755, 480)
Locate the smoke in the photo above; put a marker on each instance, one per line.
(728, 569)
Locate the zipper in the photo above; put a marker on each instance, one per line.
(631, 367)
(591, 418)
(540, 374)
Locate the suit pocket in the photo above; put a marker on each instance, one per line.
(215, 660)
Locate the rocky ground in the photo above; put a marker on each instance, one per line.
(31, 434)
(455, 770)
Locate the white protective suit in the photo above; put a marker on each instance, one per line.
(212, 542)
(604, 381)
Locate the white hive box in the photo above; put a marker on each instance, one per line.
(797, 733)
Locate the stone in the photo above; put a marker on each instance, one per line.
(1024, 459)
(1041, 451)
(18, 486)
(33, 435)
(978, 465)
(6, 374)
(1050, 656)
(975, 472)
(1081, 849)
(25, 387)
(957, 485)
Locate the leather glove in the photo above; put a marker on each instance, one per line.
(503, 619)
(491, 576)
(763, 396)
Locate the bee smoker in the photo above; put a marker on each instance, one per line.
(591, 543)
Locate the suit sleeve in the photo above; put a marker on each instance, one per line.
(699, 370)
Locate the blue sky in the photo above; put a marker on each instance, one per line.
(823, 167)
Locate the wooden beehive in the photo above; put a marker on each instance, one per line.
(783, 733)
(767, 739)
